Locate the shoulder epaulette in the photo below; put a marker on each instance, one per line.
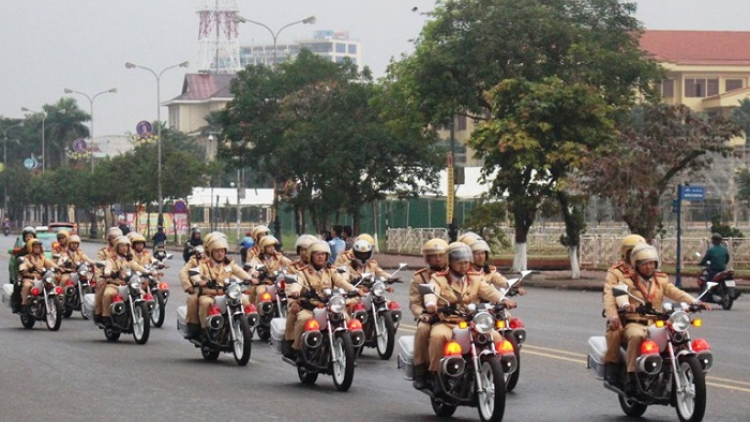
(441, 273)
(472, 272)
(493, 268)
(421, 271)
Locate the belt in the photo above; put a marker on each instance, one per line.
(644, 321)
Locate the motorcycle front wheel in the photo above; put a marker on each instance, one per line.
(342, 361)
(158, 314)
(492, 400)
(387, 337)
(54, 316)
(690, 400)
(141, 326)
(242, 346)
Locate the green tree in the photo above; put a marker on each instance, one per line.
(64, 124)
(658, 144)
(741, 115)
(552, 50)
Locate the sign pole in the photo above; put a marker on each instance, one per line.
(678, 265)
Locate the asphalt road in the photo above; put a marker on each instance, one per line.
(74, 374)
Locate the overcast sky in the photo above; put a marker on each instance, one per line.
(46, 45)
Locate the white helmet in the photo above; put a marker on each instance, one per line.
(362, 250)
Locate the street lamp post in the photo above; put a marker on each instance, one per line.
(5, 163)
(44, 118)
(129, 65)
(275, 35)
(91, 108)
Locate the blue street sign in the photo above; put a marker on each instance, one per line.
(143, 128)
(79, 145)
(694, 193)
(28, 163)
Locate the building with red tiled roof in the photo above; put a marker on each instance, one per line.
(706, 70)
(202, 93)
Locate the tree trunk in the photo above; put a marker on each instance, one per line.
(520, 260)
(356, 222)
(575, 267)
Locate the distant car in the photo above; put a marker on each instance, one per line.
(57, 226)
(47, 238)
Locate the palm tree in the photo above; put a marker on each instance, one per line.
(64, 125)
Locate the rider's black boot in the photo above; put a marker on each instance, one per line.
(612, 375)
(420, 377)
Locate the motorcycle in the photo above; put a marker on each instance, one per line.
(230, 325)
(158, 289)
(43, 303)
(512, 328)
(271, 304)
(79, 285)
(670, 368)
(380, 317)
(328, 342)
(726, 292)
(6, 229)
(473, 369)
(129, 309)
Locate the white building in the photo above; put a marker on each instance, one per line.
(334, 45)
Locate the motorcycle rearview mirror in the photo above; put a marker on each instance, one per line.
(341, 270)
(260, 268)
(709, 286)
(100, 264)
(290, 278)
(426, 289)
(472, 308)
(55, 256)
(169, 256)
(618, 290)
(667, 307)
(327, 292)
(401, 266)
(21, 259)
(194, 271)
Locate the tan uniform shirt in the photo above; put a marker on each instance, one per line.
(184, 276)
(103, 254)
(326, 278)
(252, 253)
(114, 266)
(143, 259)
(344, 259)
(493, 276)
(470, 288)
(416, 301)
(76, 258)
(654, 291)
(34, 266)
(615, 274)
(273, 262)
(219, 272)
(371, 266)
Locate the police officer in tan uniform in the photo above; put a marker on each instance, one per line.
(103, 255)
(191, 317)
(33, 267)
(481, 252)
(362, 262)
(258, 233)
(460, 286)
(272, 259)
(435, 256)
(616, 274)
(141, 255)
(302, 245)
(346, 256)
(114, 274)
(219, 268)
(652, 287)
(71, 258)
(62, 242)
(316, 277)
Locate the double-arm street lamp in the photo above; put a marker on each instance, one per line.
(158, 128)
(44, 118)
(275, 35)
(91, 108)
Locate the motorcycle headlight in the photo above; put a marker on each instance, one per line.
(337, 304)
(680, 321)
(378, 289)
(484, 322)
(234, 291)
(134, 282)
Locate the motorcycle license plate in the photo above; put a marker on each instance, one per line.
(730, 283)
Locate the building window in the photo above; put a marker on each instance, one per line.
(734, 84)
(340, 47)
(461, 122)
(667, 88)
(700, 88)
(352, 48)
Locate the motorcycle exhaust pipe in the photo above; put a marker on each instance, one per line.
(706, 360)
(117, 308)
(215, 322)
(453, 366)
(312, 339)
(650, 364)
